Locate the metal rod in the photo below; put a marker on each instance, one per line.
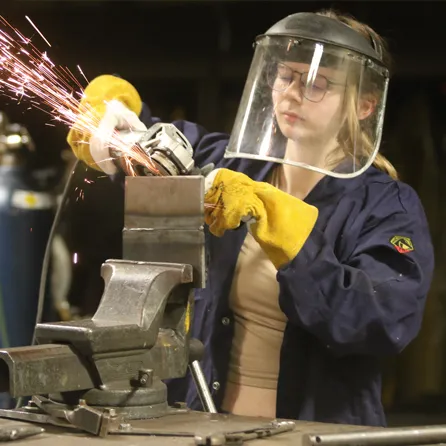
(403, 436)
(202, 387)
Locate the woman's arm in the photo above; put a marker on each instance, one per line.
(373, 303)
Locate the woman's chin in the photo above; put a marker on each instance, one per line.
(294, 132)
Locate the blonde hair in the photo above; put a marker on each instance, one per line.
(354, 126)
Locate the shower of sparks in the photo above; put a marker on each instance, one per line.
(29, 74)
(37, 29)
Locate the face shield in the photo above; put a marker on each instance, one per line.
(311, 104)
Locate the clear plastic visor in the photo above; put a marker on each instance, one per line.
(312, 105)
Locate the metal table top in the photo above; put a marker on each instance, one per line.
(194, 422)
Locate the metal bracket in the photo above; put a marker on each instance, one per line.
(164, 222)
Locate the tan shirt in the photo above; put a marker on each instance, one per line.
(259, 323)
(251, 387)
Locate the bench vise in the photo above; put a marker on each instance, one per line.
(140, 334)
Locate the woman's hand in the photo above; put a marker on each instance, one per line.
(109, 103)
(278, 221)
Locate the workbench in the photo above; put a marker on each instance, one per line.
(196, 422)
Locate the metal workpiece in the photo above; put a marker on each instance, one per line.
(164, 222)
(170, 245)
(164, 202)
(401, 436)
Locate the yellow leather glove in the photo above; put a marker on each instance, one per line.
(95, 104)
(282, 223)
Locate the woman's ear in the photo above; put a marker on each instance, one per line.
(366, 107)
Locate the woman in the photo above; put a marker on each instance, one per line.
(331, 273)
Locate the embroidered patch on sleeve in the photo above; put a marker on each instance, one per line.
(402, 244)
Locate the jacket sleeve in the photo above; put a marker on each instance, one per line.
(208, 147)
(373, 303)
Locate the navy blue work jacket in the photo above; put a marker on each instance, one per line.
(354, 294)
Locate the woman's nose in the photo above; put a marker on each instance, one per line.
(294, 91)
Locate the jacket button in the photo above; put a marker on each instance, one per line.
(215, 385)
(226, 321)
